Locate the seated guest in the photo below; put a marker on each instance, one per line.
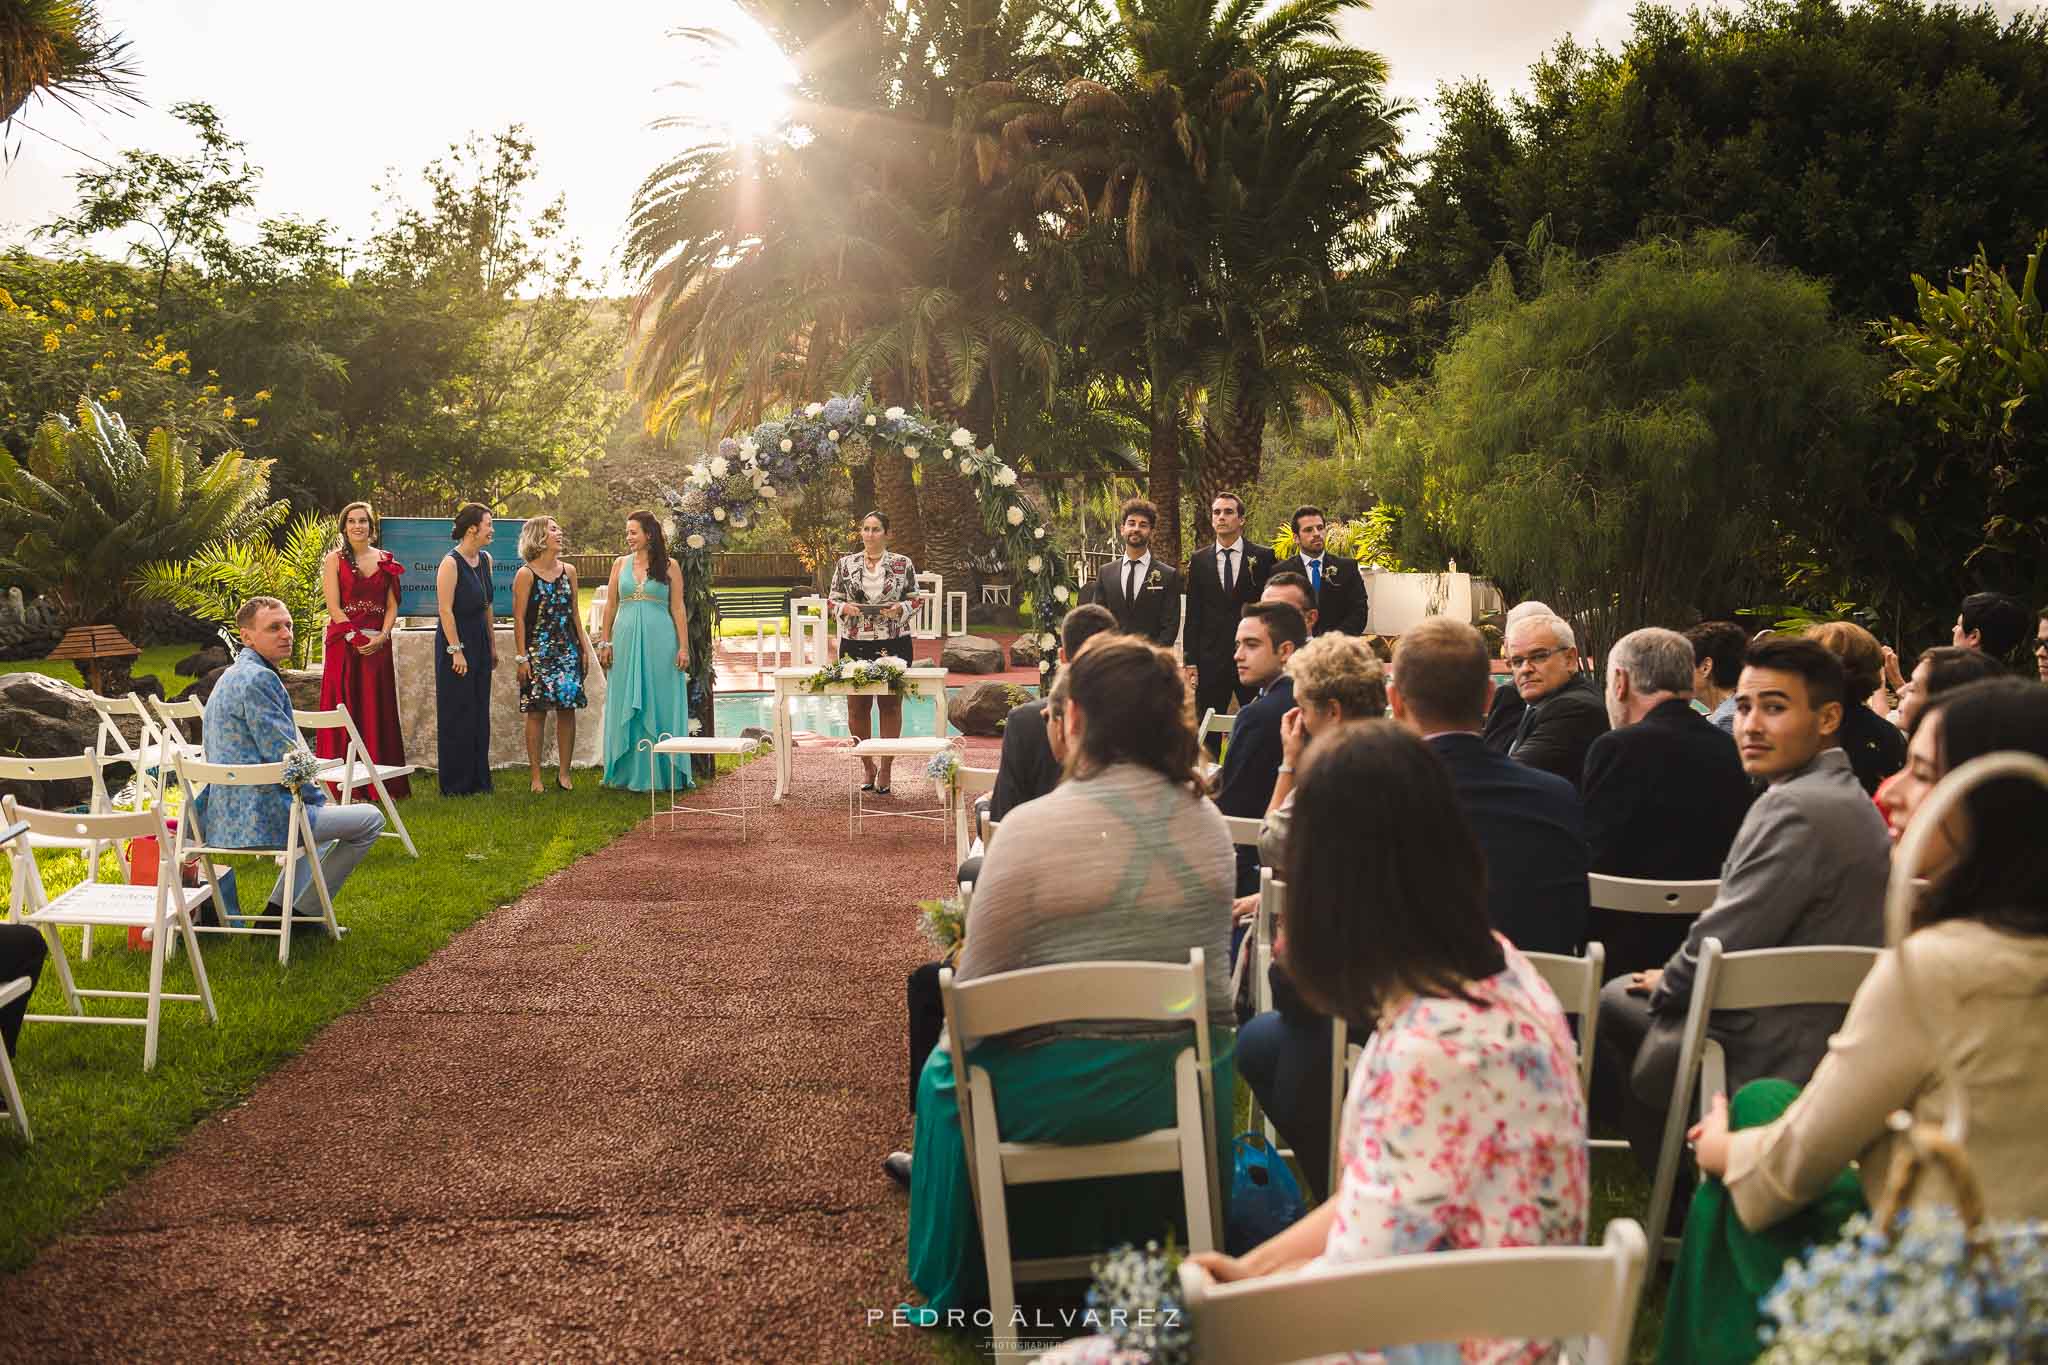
(22, 951)
(1504, 711)
(1122, 862)
(1874, 745)
(1291, 588)
(1529, 823)
(1717, 666)
(249, 720)
(1978, 950)
(1992, 622)
(1027, 769)
(1940, 669)
(1284, 1053)
(1463, 1126)
(1266, 638)
(1665, 792)
(1562, 713)
(1807, 869)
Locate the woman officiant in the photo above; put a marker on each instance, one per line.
(873, 593)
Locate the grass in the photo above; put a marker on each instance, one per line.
(157, 659)
(99, 1119)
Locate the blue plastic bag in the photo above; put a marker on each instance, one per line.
(1265, 1199)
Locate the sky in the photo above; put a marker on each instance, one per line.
(332, 102)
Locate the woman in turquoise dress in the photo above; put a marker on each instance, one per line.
(646, 649)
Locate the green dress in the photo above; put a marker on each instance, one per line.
(647, 697)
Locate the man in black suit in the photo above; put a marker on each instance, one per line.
(1664, 789)
(1504, 712)
(1027, 769)
(1143, 594)
(1267, 637)
(1528, 822)
(1222, 578)
(1337, 583)
(1562, 710)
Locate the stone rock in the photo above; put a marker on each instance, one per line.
(972, 654)
(32, 632)
(1025, 651)
(204, 662)
(980, 708)
(41, 717)
(301, 684)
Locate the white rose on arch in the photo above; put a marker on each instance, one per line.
(1038, 533)
(833, 435)
(871, 419)
(1015, 516)
(748, 450)
(1045, 665)
(894, 414)
(1060, 593)
(787, 445)
(718, 514)
(699, 474)
(1048, 641)
(695, 542)
(962, 437)
(910, 452)
(1006, 477)
(814, 409)
(967, 466)
(1034, 564)
(719, 467)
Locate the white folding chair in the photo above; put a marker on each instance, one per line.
(1215, 722)
(163, 909)
(1639, 897)
(87, 767)
(1576, 983)
(1541, 1294)
(928, 621)
(354, 770)
(173, 716)
(968, 784)
(191, 841)
(10, 1091)
(1258, 951)
(1761, 978)
(1091, 992)
(1244, 830)
(146, 754)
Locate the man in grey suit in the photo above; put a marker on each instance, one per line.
(1807, 869)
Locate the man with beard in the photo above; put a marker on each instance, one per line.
(1142, 594)
(1337, 582)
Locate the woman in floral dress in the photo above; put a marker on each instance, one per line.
(1464, 1126)
(554, 655)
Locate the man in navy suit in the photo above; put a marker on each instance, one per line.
(1528, 822)
(1142, 593)
(1223, 578)
(1267, 637)
(1337, 582)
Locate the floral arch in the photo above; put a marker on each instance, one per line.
(748, 474)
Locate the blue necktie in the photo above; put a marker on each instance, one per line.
(1315, 576)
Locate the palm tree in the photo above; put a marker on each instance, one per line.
(59, 49)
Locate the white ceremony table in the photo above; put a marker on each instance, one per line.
(789, 685)
(413, 659)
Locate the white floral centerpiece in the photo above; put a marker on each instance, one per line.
(887, 670)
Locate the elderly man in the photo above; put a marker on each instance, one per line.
(1562, 713)
(1664, 790)
(249, 720)
(1504, 711)
(1808, 867)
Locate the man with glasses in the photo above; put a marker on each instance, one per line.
(1563, 710)
(1222, 578)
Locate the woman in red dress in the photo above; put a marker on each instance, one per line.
(361, 582)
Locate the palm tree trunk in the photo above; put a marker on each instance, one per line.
(1233, 444)
(896, 498)
(1163, 480)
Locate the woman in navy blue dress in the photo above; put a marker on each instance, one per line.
(465, 652)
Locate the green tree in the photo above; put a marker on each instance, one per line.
(60, 50)
(1861, 141)
(1637, 440)
(214, 581)
(88, 504)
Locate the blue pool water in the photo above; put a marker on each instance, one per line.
(735, 711)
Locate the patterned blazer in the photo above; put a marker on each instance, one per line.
(249, 720)
(899, 584)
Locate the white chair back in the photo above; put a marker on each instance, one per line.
(171, 716)
(1760, 978)
(1539, 1294)
(1244, 830)
(928, 621)
(191, 840)
(1215, 722)
(808, 632)
(969, 783)
(1640, 897)
(1079, 992)
(355, 769)
(88, 767)
(1576, 983)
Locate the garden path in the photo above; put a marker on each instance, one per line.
(638, 1113)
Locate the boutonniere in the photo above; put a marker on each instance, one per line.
(1153, 580)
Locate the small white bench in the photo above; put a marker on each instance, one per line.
(746, 746)
(899, 747)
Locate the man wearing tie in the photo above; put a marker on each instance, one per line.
(1142, 594)
(1222, 578)
(1337, 583)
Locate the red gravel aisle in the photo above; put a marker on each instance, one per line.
(638, 1114)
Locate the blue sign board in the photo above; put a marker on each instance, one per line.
(421, 543)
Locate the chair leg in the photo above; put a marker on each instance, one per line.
(986, 1170)
(391, 814)
(1194, 1154)
(62, 963)
(12, 1093)
(157, 943)
(191, 937)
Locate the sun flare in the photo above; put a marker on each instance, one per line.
(742, 91)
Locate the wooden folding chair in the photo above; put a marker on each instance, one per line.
(1761, 978)
(88, 767)
(1539, 1294)
(191, 841)
(163, 909)
(1092, 992)
(354, 770)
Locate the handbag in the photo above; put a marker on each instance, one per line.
(1265, 1198)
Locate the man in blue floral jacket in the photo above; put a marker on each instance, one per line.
(249, 720)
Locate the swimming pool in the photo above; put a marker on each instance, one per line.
(735, 711)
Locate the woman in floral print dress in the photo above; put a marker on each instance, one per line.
(1464, 1126)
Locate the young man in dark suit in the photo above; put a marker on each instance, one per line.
(1222, 578)
(1338, 584)
(1528, 822)
(1267, 637)
(1143, 594)
(1664, 790)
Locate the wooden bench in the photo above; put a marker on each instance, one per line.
(740, 603)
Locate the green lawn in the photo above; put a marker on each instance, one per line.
(99, 1119)
(157, 659)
